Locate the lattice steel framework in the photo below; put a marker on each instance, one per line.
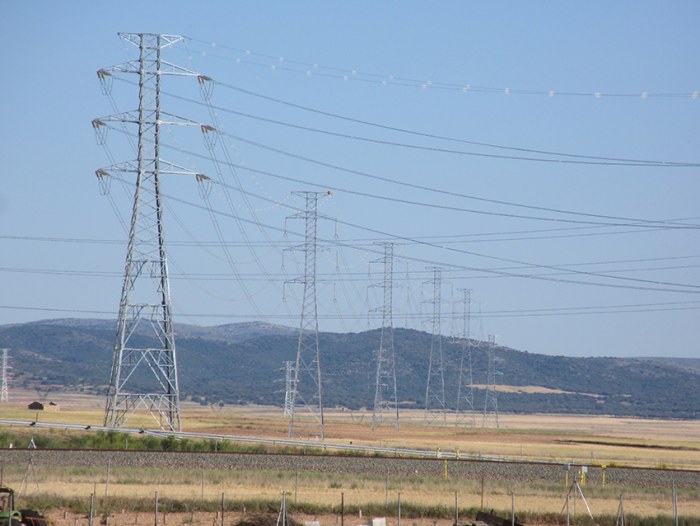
(435, 408)
(4, 394)
(307, 390)
(491, 400)
(386, 408)
(288, 383)
(465, 385)
(145, 375)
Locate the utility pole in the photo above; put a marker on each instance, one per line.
(145, 304)
(435, 387)
(306, 386)
(385, 398)
(465, 386)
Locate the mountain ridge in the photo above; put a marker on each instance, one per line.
(243, 363)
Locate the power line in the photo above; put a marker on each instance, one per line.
(466, 252)
(634, 221)
(412, 185)
(466, 267)
(569, 158)
(344, 277)
(527, 264)
(659, 224)
(512, 313)
(433, 205)
(371, 241)
(312, 69)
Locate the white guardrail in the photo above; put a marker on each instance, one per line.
(420, 453)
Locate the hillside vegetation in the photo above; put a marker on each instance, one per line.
(243, 364)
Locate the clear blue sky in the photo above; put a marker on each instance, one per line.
(608, 279)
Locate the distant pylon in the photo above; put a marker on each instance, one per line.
(145, 304)
(288, 383)
(435, 388)
(385, 399)
(4, 397)
(491, 400)
(465, 387)
(306, 386)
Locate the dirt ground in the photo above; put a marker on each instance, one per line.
(66, 518)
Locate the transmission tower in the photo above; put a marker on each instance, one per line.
(5, 369)
(491, 401)
(288, 383)
(465, 385)
(435, 387)
(145, 304)
(385, 400)
(306, 386)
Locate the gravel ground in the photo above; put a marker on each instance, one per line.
(402, 467)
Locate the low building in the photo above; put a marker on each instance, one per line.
(38, 406)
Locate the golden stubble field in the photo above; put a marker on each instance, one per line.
(565, 438)
(592, 440)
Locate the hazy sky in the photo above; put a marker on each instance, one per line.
(530, 150)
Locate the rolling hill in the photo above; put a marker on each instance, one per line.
(243, 364)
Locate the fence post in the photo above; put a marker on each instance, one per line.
(109, 466)
(92, 508)
(222, 508)
(456, 510)
(399, 511)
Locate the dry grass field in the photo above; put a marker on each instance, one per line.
(557, 438)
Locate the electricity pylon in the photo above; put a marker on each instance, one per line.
(435, 388)
(491, 400)
(288, 383)
(144, 373)
(385, 400)
(4, 396)
(306, 386)
(465, 386)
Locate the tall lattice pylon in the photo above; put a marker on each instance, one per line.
(144, 374)
(288, 383)
(386, 408)
(465, 386)
(4, 392)
(491, 400)
(307, 392)
(435, 409)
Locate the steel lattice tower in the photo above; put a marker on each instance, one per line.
(4, 397)
(145, 303)
(465, 385)
(306, 387)
(288, 383)
(385, 399)
(435, 387)
(491, 401)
